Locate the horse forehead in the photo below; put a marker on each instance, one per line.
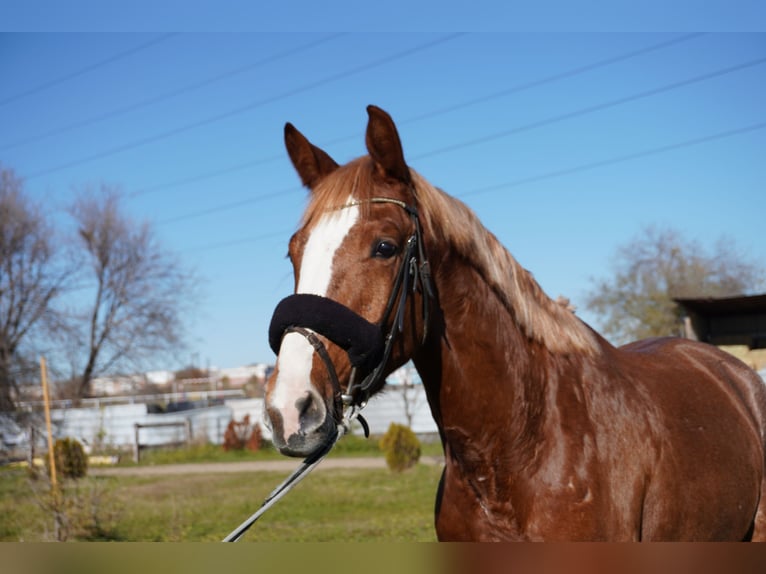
(324, 239)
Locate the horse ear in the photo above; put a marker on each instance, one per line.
(311, 163)
(384, 145)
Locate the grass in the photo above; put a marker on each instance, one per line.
(329, 505)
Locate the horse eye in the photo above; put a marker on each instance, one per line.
(384, 249)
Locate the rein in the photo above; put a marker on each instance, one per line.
(413, 272)
(308, 464)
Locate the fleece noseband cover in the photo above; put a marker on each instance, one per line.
(362, 340)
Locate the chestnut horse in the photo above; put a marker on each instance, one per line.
(549, 432)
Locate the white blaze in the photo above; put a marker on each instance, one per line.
(296, 354)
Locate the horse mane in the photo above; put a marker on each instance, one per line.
(542, 319)
(551, 323)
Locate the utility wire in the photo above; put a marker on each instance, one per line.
(82, 71)
(518, 129)
(170, 94)
(594, 108)
(207, 175)
(234, 242)
(618, 159)
(242, 109)
(573, 72)
(227, 206)
(577, 71)
(543, 176)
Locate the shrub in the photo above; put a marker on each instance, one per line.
(70, 459)
(79, 510)
(401, 447)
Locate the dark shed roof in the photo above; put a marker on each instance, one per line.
(727, 305)
(726, 321)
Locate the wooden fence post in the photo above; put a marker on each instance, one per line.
(188, 428)
(46, 399)
(32, 439)
(136, 446)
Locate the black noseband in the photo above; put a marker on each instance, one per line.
(362, 340)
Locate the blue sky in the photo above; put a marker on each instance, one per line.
(565, 144)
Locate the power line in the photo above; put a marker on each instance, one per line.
(170, 94)
(547, 175)
(573, 72)
(518, 129)
(207, 175)
(242, 109)
(233, 242)
(82, 71)
(594, 108)
(618, 159)
(227, 206)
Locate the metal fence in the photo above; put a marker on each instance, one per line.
(110, 426)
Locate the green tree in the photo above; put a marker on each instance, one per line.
(657, 266)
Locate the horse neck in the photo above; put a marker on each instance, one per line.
(491, 378)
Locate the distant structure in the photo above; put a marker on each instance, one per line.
(165, 380)
(239, 376)
(735, 324)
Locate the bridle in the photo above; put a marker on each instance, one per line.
(300, 311)
(414, 272)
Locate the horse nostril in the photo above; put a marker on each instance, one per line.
(304, 405)
(310, 412)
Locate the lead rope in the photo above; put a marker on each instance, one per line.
(308, 464)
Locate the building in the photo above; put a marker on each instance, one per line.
(735, 324)
(160, 377)
(238, 376)
(116, 385)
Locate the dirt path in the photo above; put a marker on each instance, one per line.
(286, 465)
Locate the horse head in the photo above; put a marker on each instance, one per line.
(360, 307)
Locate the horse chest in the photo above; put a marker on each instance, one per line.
(479, 508)
(483, 497)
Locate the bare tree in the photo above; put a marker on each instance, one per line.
(32, 275)
(658, 266)
(141, 292)
(412, 395)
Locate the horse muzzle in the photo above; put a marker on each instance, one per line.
(302, 413)
(315, 426)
